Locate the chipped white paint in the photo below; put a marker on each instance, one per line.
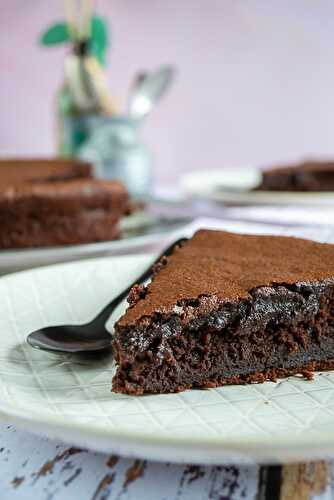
(36, 468)
(30, 469)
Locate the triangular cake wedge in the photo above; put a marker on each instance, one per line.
(228, 309)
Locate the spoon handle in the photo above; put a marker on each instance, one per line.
(103, 316)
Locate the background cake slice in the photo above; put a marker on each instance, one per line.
(59, 213)
(225, 309)
(311, 175)
(57, 202)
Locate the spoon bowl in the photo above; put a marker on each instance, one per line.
(70, 338)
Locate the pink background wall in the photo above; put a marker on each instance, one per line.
(255, 81)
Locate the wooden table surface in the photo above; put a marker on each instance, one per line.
(36, 468)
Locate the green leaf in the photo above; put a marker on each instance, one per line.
(99, 32)
(97, 51)
(55, 34)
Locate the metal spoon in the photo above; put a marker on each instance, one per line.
(147, 90)
(92, 336)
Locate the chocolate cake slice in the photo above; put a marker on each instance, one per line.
(228, 309)
(50, 202)
(310, 176)
(61, 212)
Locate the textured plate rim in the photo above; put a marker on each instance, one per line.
(166, 448)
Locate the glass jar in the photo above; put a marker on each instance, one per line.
(117, 152)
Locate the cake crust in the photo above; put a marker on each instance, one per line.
(19, 171)
(226, 266)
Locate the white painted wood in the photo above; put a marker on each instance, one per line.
(29, 470)
(36, 468)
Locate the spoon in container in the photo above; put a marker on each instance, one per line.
(147, 90)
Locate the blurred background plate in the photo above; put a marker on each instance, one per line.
(140, 231)
(235, 185)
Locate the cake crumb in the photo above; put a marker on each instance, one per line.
(137, 292)
(309, 375)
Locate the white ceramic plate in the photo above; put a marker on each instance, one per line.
(140, 231)
(235, 185)
(69, 398)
